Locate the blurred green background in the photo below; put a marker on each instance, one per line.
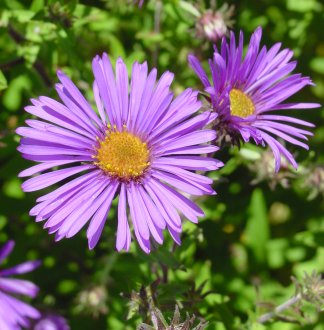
(259, 230)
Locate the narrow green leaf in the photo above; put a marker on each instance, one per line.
(3, 81)
(257, 228)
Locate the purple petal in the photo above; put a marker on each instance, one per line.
(45, 166)
(192, 150)
(190, 139)
(123, 232)
(48, 179)
(22, 287)
(25, 267)
(196, 163)
(165, 208)
(140, 228)
(137, 88)
(196, 66)
(99, 219)
(122, 89)
(183, 204)
(73, 93)
(6, 250)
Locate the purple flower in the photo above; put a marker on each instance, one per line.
(143, 146)
(242, 93)
(51, 322)
(15, 314)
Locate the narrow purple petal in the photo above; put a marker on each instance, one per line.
(45, 166)
(195, 163)
(122, 89)
(25, 267)
(143, 212)
(48, 179)
(192, 150)
(179, 183)
(123, 232)
(167, 210)
(139, 76)
(15, 286)
(195, 64)
(75, 95)
(183, 204)
(6, 250)
(99, 219)
(79, 199)
(141, 230)
(187, 140)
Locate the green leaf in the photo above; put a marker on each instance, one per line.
(276, 252)
(303, 5)
(29, 52)
(150, 38)
(67, 286)
(13, 95)
(258, 326)
(37, 5)
(12, 189)
(250, 154)
(3, 81)
(257, 228)
(189, 8)
(23, 16)
(226, 315)
(38, 31)
(317, 64)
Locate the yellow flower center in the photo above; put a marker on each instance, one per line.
(123, 155)
(240, 104)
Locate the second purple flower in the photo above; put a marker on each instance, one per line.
(245, 90)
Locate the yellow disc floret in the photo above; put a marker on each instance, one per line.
(240, 104)
(122, 155)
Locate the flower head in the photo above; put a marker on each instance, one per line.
(243, 91)
(143, 147)
(16, 314)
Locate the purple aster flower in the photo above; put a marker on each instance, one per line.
(51, 322)
(243, 92)
(143, 146)
(15, 314)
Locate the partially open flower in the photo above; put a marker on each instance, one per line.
(92, 301)
(214, 25)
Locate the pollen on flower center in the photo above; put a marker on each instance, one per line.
(123, 155)
(240, 104)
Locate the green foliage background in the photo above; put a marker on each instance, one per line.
(257, 233)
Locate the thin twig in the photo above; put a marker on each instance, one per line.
(165, 270)
(12, 63)
(157, 28)
(279, 309)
